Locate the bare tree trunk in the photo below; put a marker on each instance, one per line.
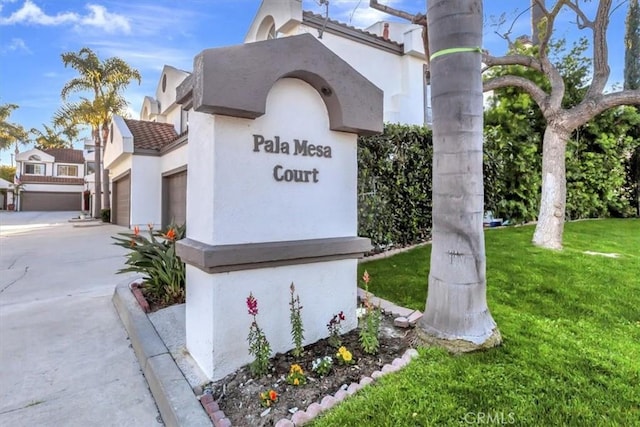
(97, 207)
(456, 315)
(553, 200)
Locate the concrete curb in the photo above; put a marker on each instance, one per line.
(176, 402)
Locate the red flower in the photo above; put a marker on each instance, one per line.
(252, 305)
(136, 231)
(341, 315)
(273, 395)
(171, 234)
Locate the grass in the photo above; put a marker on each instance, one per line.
(571, 328)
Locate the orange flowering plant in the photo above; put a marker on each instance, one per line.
(155, 258)
(268, 398)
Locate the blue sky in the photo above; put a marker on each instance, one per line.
(149, 34)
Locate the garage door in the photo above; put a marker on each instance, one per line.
(46, 201)
(175, 198)
(122, 201)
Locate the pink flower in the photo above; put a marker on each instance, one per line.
(365, 277)
(341, 315)
(252, 305)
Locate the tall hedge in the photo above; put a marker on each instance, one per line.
(394, 186)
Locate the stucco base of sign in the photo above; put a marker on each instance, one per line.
(217, 320)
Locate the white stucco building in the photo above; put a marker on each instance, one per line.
(147, 158)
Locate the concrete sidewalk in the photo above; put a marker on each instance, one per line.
(65, 359)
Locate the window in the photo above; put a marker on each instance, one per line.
(67, 170)
(91, 167)
(271, 34)
(34, 168)
(184, 120)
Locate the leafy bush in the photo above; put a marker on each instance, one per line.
(105, 214)
(394, 186)
(155, 257)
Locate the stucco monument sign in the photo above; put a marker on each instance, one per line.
(271, 193)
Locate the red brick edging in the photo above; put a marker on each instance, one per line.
(142, 301)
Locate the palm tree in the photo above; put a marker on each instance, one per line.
(55, 136)
(10, 133)
(106, 80)
(91, 112)
(456, 315)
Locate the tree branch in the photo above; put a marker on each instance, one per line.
(419, 19)
(536, 93)
(516, 59)
(600, 51)
(391, 11)
(591, 107)
(586, 22)
(549, 70)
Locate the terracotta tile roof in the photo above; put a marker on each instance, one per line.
(40, 179)
(150, 135)
(66, 155)
(314, 20)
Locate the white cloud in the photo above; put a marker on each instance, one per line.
(146, 56)
(16, 45)
(30, 13)
(98, 17)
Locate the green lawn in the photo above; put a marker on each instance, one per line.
(571, 328)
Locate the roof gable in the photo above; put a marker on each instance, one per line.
(34, 155)
(66, 155)
(282, 15)
(150, 135)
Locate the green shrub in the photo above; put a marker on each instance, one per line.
(105, 214)
(155, 257)
(394, 186)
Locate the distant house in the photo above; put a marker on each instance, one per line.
(147, 158)
(5, 193)
(53, 179)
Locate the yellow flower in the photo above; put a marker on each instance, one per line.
(344, 355)
(296, 369)
(296, 381)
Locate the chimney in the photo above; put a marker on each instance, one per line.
(385, 32)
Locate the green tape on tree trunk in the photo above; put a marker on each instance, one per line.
(454, 50)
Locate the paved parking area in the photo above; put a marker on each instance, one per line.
(65, 359)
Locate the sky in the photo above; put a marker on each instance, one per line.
(148, 34)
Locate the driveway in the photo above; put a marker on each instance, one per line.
(65, 359)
